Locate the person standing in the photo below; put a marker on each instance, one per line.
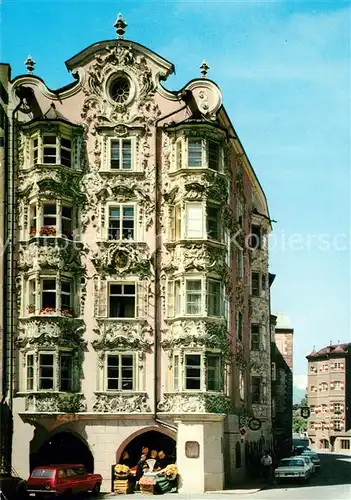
(141, 467)
(266, 462)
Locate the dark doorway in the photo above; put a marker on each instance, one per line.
(63, 448)
(238, 455)
(154, 441)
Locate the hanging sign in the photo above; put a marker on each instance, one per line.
(255, 424)
(305, 411)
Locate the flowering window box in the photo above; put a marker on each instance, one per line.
(32, 232)
(31, 309)
(48, 231)
(47, 311)
(68, 234)
(67, 312)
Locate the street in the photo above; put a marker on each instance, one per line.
(331, 482)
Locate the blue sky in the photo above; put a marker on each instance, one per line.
(284, 69)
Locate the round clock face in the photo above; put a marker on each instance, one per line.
(255, 424)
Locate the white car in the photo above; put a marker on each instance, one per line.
(293, 468)
(309, 462)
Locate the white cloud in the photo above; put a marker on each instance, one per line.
(300, 381)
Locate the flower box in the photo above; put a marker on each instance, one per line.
(48, 231)
(48, 311)
(33, 231)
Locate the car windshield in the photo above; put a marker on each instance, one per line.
(291, 463)
(43, 473)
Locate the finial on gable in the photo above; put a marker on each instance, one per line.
(204, 69)
(120, 26)
(30, 64)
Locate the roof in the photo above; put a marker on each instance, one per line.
(330, 350)
(50, 115)
(283, 321)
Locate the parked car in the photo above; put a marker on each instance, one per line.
(292, 468)
(61, 480)
(313, 456)
(309, 462)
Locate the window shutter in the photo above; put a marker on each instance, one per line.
(102, 299)
(194, 220)
(170, 299)
(141, 300)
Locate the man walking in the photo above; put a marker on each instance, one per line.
(266, 462)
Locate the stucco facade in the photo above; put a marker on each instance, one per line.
(329, 398)
(142, 297)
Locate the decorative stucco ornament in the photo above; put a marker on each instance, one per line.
(120, 26)
(30, 64)
(55, 403)
(193, 403)
(204, 69)
(123, 403)
(122, 335)
(120, 258)
(53, 331)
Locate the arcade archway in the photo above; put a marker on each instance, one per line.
(153, 440)
(63, 448)
(324, 444)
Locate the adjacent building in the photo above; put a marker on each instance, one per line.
(329, 398)
(282, 382)
(137, 273)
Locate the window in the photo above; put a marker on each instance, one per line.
(120, 372)
(337, 407)
(49, 149)
(177, 223)
(194, 153)
(312, 426)
(179, 154)
(194, 220)
(255, 338)
(213, 368)
(214, 152)
(66, 152)
(274, 372)
(313, 369)
(214, 223)
(337, 385)
(30, 372)
(255, 238)
(176, 373)
(193, 371)
(313, 388)
(49, 219)
(46, 371)
(256, 389)
(121, 223)
(239, 263)
(337, 425)
(323, 386)
(242, 385)
(121, 154)
(120, 89)
(240, 213)
(313, 408)
(255, 284)
(193, 299)
(66, 222)
(122, 300)
(65, 372)
(32, 297)
(345, 444)
(50, 296)
(337, 366)
(214, 298)
(324, 409)
(35, 150)
(239, 325)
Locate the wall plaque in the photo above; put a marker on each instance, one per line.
(192, 449)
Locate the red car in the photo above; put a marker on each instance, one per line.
(62, 480)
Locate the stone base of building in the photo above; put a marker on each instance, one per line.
(210, 451)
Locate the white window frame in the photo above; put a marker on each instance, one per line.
(219, 219)
(196, 233)
(220, 297)
(179, 377)
(120, 353)
(261, 389)
(119, 170)
(33, 377)
(194, 292)
(110, 206)
(38, 206)
(259, 333)
(56, 367)
(122, 283)
(35, 287)
(204, 153)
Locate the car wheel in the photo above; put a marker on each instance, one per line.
(96, 490)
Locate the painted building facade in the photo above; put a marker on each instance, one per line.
(139, 267)
(329, 398)
(282, 382)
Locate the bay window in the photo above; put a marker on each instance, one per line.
(194, 371)
(256, 390)
(214, 222)
(191, 222)
(52, 149)
(50, 295)
(255, 338)
(49, 371)
(121, 225)
(122, 300)
(193, 297)
(201, 153)
(121, 154)
(56, 219)
(194, 220)
(120, 369)
(257, 237)
(258, 284)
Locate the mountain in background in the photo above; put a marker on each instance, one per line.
(298, 394)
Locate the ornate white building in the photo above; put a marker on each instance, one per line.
(139, 263)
